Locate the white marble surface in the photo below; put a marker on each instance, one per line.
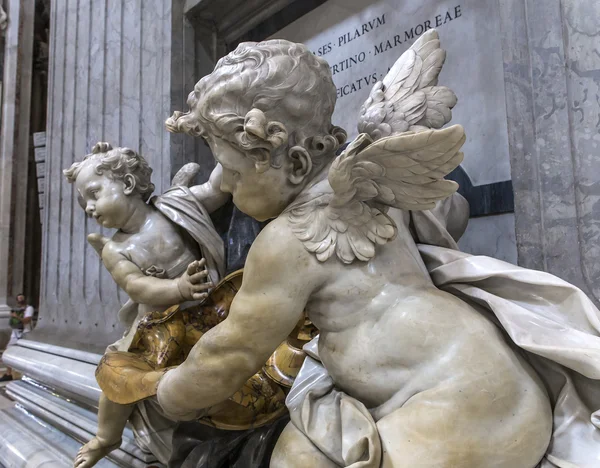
(493, 236)
(55, 371)
(552, 69)
(73, 420)
(472, 32)
(6, 403)
(73, 379)
(27, 442)
(76, 354)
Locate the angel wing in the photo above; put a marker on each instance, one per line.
(185, 176)
(405, 171)
(408, 98)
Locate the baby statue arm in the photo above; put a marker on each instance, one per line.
(209, 193)
(156, 291)
(271, 300)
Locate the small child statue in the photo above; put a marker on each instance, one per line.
(165, 252)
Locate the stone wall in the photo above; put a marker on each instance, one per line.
(552, 82)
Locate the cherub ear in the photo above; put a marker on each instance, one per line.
(129, 182)
(301, 164)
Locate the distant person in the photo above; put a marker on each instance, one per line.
(21, 322)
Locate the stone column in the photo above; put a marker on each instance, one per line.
(14, 150)
(552, 76)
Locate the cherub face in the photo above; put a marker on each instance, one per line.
(108, 201)
(260, 195)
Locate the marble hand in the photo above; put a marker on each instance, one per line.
(92, 452)
(192, 284)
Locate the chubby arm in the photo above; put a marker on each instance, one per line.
(156, 291)
(274, 293)
(209, 193)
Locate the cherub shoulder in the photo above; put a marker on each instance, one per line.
(110, 251)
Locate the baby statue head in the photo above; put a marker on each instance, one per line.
(111, 184)
(265, 111)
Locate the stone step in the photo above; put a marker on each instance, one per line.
(74, 421)
(28, 442)
(59, 387)
(5, 403)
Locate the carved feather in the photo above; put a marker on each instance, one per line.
(397, 161)
(185, 176)
(404, 171)
(408, 98)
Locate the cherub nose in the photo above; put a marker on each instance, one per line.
(89, 209)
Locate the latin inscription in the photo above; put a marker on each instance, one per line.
(348, 38)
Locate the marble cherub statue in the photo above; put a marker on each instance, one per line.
(164, 252)
(427, 357)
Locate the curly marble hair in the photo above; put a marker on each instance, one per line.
(116, 163)
(268, 99)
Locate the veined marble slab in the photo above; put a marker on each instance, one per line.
(73, 378)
